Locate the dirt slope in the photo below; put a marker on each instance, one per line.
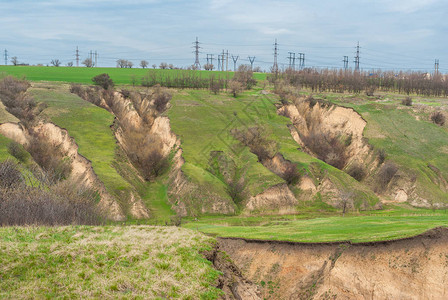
(413, 268)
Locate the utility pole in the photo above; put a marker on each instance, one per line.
(357, 58)
(275, 66)
(251, 59)
(6, 57)
(223, 55)
(219, 62)
(292, 60)
(345, 62)
(77, 56)
(235, 59)
(436, 67)
(301, 60)
(227, 60)
(196, 52)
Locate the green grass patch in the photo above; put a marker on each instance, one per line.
(302, 228)
(109, 262)
(84, 75)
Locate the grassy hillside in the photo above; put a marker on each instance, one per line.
(106, 262)
(88, 125)
(84, 75)
(408, 136)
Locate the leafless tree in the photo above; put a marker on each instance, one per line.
(144, 64)
(163, 66)
(129, 64)
(154, 66)
(346, 201)
(56, 62)
(208, 67)
(14, 60)
(88, 62)
(122, 63)
(70, 64)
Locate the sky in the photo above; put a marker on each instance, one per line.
(392, 34)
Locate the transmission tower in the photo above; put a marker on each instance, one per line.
(96, 59)
(6, 57)
(292, 60)
(235, 59)
(345, 62)
(227, 60)
(436, 67)
(196, 52)
(301, 60)
(275, 66)
(357, 58)
(251, 59)
(77, 56)
(219, 61)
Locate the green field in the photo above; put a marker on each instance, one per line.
(108, 262)
(84, 75)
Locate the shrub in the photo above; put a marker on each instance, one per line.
(438, 118)
(104, 81)
(407, 101)
(255, 139)
(357, 171)
(385, 175)
(291, 174)
(62, 204)
(51, 158)
(17, 150)
(235, 88)
(161, 98)
(327, 147)
(244, 76)
(10, 175)
(381, 156)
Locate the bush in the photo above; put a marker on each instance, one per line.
(235, 88)
(10, 175)
(327, 147)
(51, 158)
(17, 150)
(104, 81)
(407, 101)
(438, 118)
(244, 76)
(381, 156)
(291, 174)
(357, 171)
(385, 175)
(255, 139)
(161, 98)
(63, 204)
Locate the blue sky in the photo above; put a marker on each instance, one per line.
(400, 34)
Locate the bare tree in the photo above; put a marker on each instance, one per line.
(208, 67)
(154, 66)
(122, 63)
(14, 60)
(144, 64)
(346, 201)
(56, 62)
(129, 64)
(70, 64)
(163, 66)
(88, 62)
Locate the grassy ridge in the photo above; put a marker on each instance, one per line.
(84, 75)
(323, 229)
(89, 125)
(109, 262)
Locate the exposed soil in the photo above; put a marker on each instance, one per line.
(410, 268)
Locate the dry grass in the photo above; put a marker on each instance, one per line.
(105, 262)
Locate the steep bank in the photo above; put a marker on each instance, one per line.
(411, 268)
